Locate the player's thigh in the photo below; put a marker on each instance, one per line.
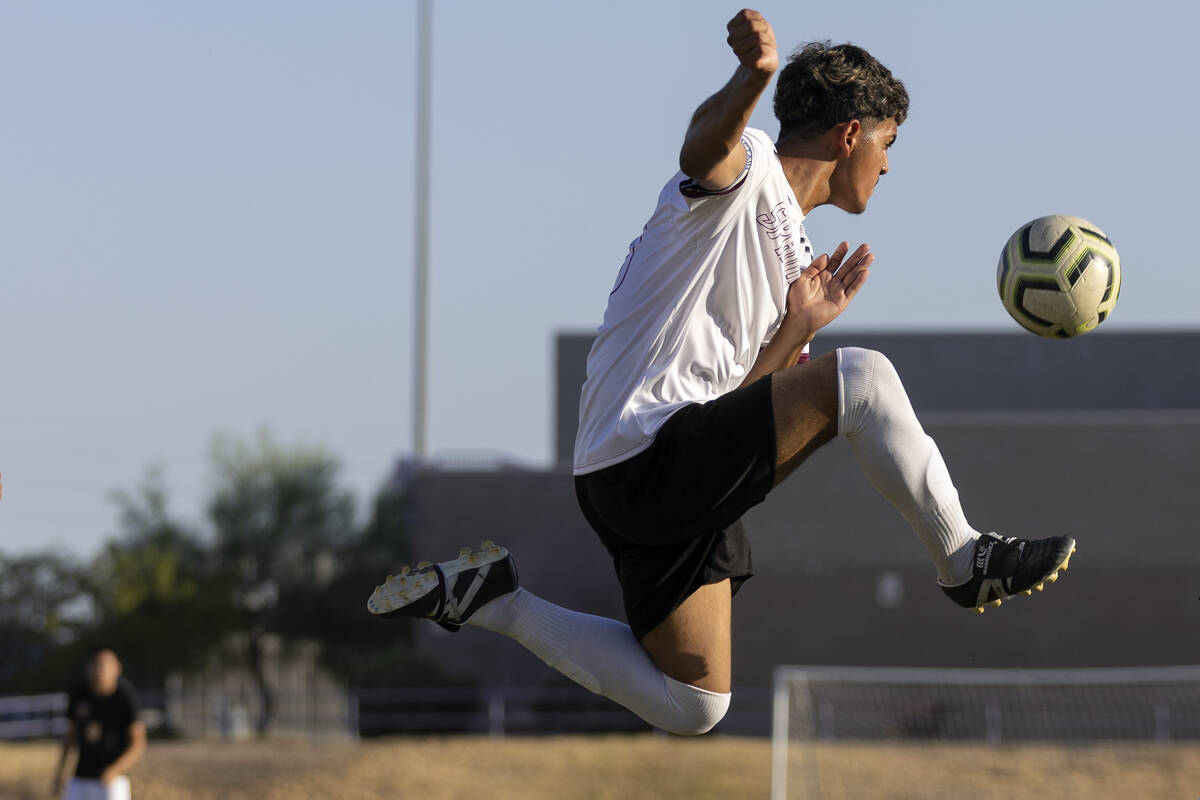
(804, 401)
(692, 644)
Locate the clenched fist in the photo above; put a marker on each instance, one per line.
(753, 41)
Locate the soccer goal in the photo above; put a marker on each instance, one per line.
(813, 706)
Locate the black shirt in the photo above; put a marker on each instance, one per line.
(103, 725)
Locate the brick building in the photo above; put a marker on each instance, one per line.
(1098, 437)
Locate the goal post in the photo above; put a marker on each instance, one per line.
(813, 705)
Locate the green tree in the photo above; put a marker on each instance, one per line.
(45, 607)
(161, 600)
(283, 557)
(279, 522)
(360, 649)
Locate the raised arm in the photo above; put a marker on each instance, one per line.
(712, 154)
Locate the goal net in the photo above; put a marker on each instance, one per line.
(817, 705)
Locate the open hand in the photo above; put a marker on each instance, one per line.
(826, 287)
(753, 41)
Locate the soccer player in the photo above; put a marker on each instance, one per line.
(102, 722)
(700, 397)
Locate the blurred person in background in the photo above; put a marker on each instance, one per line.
(102, 722)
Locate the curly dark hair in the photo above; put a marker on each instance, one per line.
(825, 84)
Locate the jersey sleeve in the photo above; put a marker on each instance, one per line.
(693, 195)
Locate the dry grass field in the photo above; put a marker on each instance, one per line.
(645, 767)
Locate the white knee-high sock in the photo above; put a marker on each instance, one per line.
(901, 460)
(603, 656)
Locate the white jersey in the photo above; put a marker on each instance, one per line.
(703, 289)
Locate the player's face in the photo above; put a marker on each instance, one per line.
(103, 670)
(866, 164)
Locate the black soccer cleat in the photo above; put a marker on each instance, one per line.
(1005, 566)
(450, 592)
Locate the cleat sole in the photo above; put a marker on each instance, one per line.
(397, 593)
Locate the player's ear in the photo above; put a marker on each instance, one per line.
(849, 135)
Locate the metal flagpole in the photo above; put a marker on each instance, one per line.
(421, 230)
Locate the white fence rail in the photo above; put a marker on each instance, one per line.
(494, 711)
(33, 716)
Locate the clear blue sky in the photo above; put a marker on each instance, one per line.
(208, 208)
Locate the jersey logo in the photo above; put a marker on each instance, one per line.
(779, 226)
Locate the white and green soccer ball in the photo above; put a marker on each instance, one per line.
(1059, 276)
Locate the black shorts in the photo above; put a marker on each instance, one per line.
(670, 516)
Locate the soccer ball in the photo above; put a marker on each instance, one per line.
(1059, 276)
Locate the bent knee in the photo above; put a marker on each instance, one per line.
(865, 377)
(695, 711)
(860, 363)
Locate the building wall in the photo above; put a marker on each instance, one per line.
(826, 546)
(1098, 440)
(982, 371)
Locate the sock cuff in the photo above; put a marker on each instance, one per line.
(696, 710)
(679, 687)
(856, 375)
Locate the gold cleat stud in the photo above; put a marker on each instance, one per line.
(389, 578)
(995, 603)
(466, 551)
(405, 570)
(1029, 591)
(978, 609)
(1040, 586)
(487, 544)
(424, 564)
(1053, 578)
